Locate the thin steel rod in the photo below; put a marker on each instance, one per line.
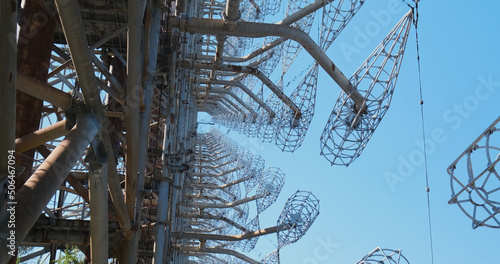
(119, 92)
(96, 45)
(225, 205)
(213, 186)
(216, 217)
(34, 255)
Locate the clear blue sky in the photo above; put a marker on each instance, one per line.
(459, 44)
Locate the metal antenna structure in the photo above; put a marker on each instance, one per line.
(110, 156)
(384, 256)
(350, 127)
(215, 214)
(475, 181)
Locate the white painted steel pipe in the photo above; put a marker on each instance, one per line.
(245, 89)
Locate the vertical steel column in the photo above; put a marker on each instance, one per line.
(231, 16)
(153, 38)
(133, 103)
(169, 148)
(34, 46)
(98, 185)
(162, 208)
(8, 53)
(46, 180)
(72, 23)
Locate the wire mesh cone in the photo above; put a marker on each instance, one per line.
(298, 214)
(335, 18)
(272, 258)
(292, 128)
(348, 130)
(269, 187)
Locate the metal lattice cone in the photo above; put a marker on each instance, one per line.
(293, 128)
(349, 128)
(299, 213)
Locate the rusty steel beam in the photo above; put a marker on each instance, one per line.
(133, 102)
(34, 47)
(43, 91)
(71, 179)
(41, 136)
(42, 185)
(8, 53)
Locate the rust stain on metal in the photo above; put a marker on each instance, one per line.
(252, 70)
(333, 66)
(237, 68)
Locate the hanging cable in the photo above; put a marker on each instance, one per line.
(427, 188)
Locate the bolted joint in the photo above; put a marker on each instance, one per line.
(231, 23)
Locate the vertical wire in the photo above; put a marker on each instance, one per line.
(427, 189)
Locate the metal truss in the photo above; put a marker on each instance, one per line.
(384, 256)
(475, 182)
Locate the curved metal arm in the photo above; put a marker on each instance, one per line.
(258, 30)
